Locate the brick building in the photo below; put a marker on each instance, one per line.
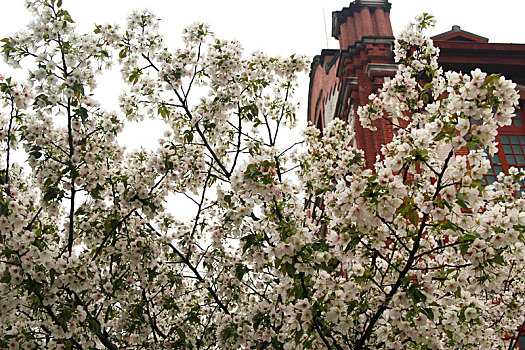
(342, 79)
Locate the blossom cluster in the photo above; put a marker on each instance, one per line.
(283, 250)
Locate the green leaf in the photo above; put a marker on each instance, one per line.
(413, 217)
(277, 263)
(134, 76)
(82, 112)
(448, 225)
(36, 154)
(95, 192)
(440, 136)
(137, 312)
(257, 319)
(228, 199)
(188, 136)
(67, 16)
(403, 209)
(289, 268)
(33, 286)
(94, 326)
(50, 193)
(252, 169)
(177, 74)
(298, 292)
(248, 242)
(3, 208)
(240, 271)
(498, 259)
(490, 78)
(228, 332)
(463, 248)
(298, 336)
(181, 333)
(428, 312)
(6, 278)
(463, 205)
(163, 111)
(415, 293)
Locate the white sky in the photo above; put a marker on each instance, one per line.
(277, 27)
(285, 26)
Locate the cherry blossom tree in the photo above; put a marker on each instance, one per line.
(287, 249)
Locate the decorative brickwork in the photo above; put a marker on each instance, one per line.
(349, 75)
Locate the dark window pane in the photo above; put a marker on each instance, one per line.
(498, 169)
(490, 179)
(513, 139)
(507, 149)
(510, 158)
(504, 138)
(520, 159)
(517, 149)
(495, 158)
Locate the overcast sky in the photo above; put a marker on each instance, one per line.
(281, 27)
(284, 26)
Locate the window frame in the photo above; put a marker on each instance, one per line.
(511, 142)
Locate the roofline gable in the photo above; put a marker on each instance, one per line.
(459, 35)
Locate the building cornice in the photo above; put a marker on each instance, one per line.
(340, 17)
(353, 49)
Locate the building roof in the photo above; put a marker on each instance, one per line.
(458, 34)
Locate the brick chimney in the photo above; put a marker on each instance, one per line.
(362, 19)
